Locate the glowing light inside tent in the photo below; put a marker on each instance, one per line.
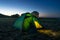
(37, 24)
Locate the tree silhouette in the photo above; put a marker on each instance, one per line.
(15, 16)
(35, 13)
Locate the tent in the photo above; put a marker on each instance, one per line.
(23, 22)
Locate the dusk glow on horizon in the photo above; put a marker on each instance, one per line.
(10, 12)
(46, 8)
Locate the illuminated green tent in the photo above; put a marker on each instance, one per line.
(27, 22)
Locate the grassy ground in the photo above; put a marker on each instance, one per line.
(8, 32)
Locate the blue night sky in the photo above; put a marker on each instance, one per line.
(46, 8)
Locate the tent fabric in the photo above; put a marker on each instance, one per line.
(27, 22)
(18, 23)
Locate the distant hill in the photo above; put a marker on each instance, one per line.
(3, 16)
(12, 16)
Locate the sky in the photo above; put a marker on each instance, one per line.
(46, 8)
